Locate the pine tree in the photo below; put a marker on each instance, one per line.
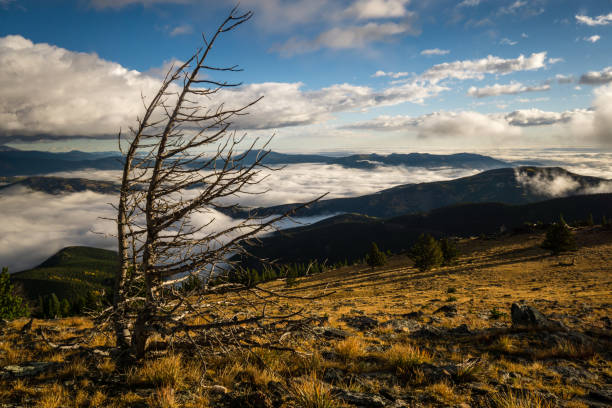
(11, 305)
(449, 251)
(53, 306)
(559, 238)
(375, 257)
(590, 221)
(426, 253)
(65, 307)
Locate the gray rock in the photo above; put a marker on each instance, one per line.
(359, 399)
(401, 325)
(528, 316)
(26, 369)
(331, 332)
(448, 310)
(361, 323)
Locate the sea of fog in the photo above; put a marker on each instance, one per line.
(35, 225)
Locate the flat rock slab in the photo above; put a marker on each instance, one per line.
(359, 399)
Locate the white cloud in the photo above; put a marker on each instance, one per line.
(435, 51)
(374, 9)
(602, 123)
(597, 21)
(350, 37)
(181, 30)
(466, 124)
(88, 96)
(597, 77)
(469, 3)
(537, 117)
(394, 75)
(524, 35)
(553, 184)
(508, 89)
(470, 69)
(564, 79)
(34, 224)
(512, 8)
(555, 60)
(507, 41)
(53, 91)
(593, 39)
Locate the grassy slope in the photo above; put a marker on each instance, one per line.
(489, 274)
(72, 271)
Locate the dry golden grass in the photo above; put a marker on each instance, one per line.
(312, 393)
(491, 274)
(402, 358)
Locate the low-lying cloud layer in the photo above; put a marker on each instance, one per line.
(36, 225)
(558, 185)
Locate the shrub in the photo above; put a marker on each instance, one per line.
(426, 253)
(375, 257)
(11, 305)
(449, 251)
(559, 238)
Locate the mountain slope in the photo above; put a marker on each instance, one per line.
(59, 185)
(349, 236)
(70, 272)
(499, 185)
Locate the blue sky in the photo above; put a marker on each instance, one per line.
(355, 75)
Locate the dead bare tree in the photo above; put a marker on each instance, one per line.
(180, 161)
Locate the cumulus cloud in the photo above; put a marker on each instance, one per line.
(83, 94)
(564, 79)
(602, 20)
(537, 117)
(592, 39)
(508, 89)
(374, 9)
(476, 69)
(349, 37)
(597, 77)
(88, 96)
(443, 125)
(602, 122)
(435, 51)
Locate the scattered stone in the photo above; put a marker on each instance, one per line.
(331, 332)
(359, 399)
(333, 375)
(26, 369)
(427, 332)
(413, 315)
(400, 325)
(461, 330)
(528, 316)
(448, 310)
(361, 323)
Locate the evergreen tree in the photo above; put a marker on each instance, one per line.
(11, 305)
(375, 257)
(64, 307)
(53, 306)
(449, 251)
(426, 253)
(78, 305)
(590, 221)
(559, 238)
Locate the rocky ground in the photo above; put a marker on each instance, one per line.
(507, 326)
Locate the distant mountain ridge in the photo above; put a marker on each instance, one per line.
(498, 185)
(15, 162)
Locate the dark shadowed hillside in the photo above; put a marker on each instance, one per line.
(59, 185)
(349, 236)
(499, 185)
